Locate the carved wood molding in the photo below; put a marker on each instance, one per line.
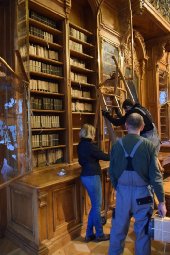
(42, 199)
(137, 6)
(159, 47)
(67, 7)
(159, 51)
(95, 5)
(139, 52)
(141, 43)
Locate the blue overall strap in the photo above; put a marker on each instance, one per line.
(133, 150)
(129, 157)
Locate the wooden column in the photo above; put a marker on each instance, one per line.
(152, 83)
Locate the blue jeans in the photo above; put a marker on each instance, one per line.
(94, 188)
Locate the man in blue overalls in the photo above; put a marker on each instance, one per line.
(133, 170)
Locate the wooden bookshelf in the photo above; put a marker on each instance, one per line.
(82, 74)
(41, 45)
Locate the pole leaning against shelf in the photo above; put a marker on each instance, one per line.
(101, 102)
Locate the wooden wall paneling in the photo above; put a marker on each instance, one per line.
(23, 220)
(64, 214)
(151, 82)
(65, 207)
(44, 218)
(2, 31)
(3, 211)
(7, 30)
(140, 62)
(108, 195)
(109, 17)
(21, 210)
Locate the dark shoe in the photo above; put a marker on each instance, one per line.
(105, 237)
(103, 220)
(89, 238)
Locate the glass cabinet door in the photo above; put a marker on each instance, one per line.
(15, 148)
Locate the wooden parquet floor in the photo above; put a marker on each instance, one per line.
(79, 247)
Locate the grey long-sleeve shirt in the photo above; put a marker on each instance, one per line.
(144, 163)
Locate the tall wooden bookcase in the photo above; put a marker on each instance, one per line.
(60, 60)
(42, 47)
(82, 53)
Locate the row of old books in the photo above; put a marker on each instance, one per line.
(80, 93)
(45, 86)
(45, 121)
(81, 107)
(41, 18)
(78, 34)
(38, 50)
(46, 103)
(78, 77)
(42, 158)
(77, 62)
(45, 140)
(41, 34)
(42, 52)
(76, 46)
(37, 66)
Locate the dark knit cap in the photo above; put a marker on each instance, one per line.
(126, 103)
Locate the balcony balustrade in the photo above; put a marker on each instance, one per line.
(163, 6)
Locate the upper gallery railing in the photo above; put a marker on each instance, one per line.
(163, 6)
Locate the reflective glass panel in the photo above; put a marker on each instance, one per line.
(15, 156)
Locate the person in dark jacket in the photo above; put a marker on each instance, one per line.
(89, 155)
(149, 131)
